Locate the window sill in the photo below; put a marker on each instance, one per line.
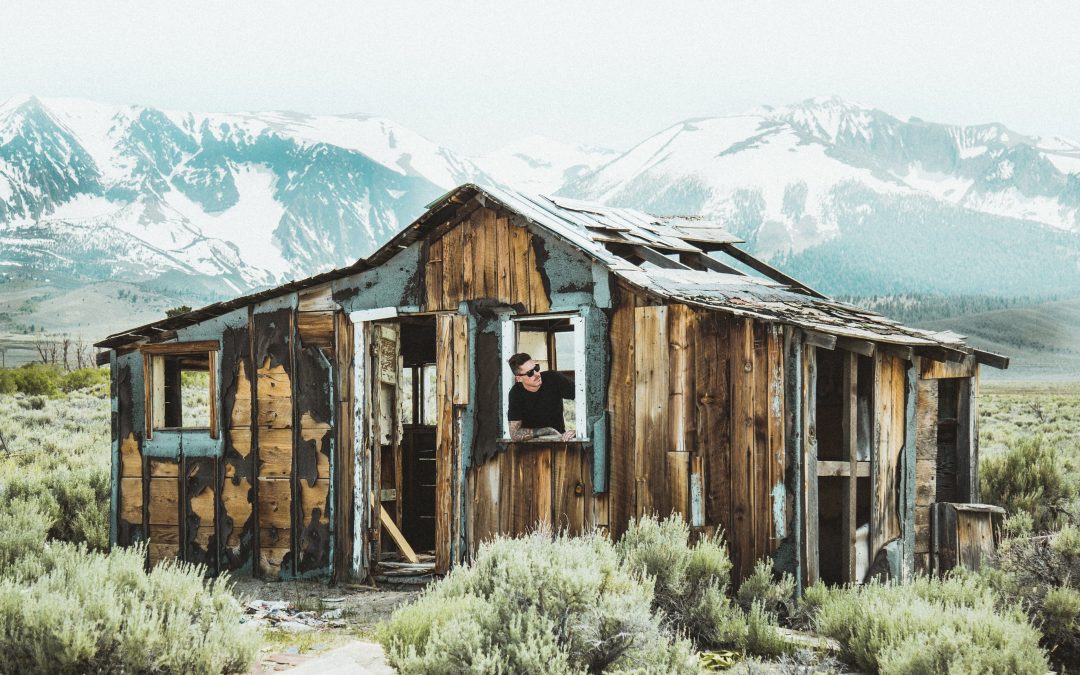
(581, 443)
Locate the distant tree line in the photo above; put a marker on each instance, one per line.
(65, 352)
(914, 308)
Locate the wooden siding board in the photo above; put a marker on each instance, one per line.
(651, 411)
(742, 533)
(776, 448)
(621, 398)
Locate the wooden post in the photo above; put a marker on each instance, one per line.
(907, 568)
(790, 554)
(810, 452)
(849, 425)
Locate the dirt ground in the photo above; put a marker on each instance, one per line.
(362, 609)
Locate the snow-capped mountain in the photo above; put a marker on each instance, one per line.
(244, 199)
(859, 201)
(849, 198)
(542, 165)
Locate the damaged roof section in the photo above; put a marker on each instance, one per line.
(684, 259)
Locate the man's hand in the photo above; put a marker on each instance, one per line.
(568, 436)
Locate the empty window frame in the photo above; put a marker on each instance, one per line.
(181, 383)
(556, 342)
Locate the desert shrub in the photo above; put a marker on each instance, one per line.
(84, 378)
(929, 626)
(68, 610)
(690, 583)
(535, 604)
(774, 595)
(75, 502)
(1043, 575)
(1028, 478)
(762, 637)
(22, 531)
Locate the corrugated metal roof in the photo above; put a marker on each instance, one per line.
(599, 231)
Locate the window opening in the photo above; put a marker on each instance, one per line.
(180, 380)
(555, 343)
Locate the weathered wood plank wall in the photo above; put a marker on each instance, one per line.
(483, 254)
(889, 400)
(696, 388)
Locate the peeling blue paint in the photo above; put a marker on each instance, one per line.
(392, 284)
(779, 502)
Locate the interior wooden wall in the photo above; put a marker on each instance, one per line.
(691, 389)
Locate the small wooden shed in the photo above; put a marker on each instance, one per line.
(337, 425)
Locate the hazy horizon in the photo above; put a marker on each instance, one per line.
(478, 76)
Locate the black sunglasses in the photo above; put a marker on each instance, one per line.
(527, 373)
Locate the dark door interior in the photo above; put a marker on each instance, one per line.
(419, 413)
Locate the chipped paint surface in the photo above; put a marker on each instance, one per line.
(779, 504)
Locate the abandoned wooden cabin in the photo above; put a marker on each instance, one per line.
(358, 418)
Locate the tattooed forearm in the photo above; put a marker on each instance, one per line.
(519, 434)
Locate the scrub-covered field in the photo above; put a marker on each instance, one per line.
(67, 605)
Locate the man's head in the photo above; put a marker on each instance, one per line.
(524, 368)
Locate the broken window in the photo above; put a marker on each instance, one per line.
(556, 342)
(180, 387)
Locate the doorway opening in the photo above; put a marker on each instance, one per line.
(405, 413)
(844, 391)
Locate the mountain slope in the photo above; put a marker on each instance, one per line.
(855, 200)
(128, 193)
(1042, 340)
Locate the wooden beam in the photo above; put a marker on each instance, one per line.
(768, 270)
(395, 533)
(838, 468)
(929, 369)
(703, 261)
(899, 351)
(864, 347)
(941, 354)
(993, 360)
(821, 340)
(649, 255)
(180, 347)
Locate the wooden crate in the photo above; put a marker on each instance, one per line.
(964, 534)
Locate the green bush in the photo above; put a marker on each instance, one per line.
(1043, 575)
(535, 604)
(929, 626)
(84, 378)
(689, 583)
(1029, 478)
(68, 610)
(75, 502)
(775, 596)
(22, 531)
(37, 379)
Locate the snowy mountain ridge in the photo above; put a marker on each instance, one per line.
(231, 201)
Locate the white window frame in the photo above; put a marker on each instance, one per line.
(509, 343)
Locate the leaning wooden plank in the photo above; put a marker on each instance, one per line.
(769, 271)
(395, 533)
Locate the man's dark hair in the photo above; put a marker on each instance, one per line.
(517, 360)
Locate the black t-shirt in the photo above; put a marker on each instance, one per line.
(544, 407)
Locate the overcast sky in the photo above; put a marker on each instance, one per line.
(476, 75)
